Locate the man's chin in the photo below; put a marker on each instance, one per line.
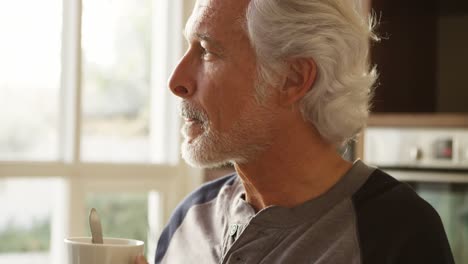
(198, 157)
(203, 164)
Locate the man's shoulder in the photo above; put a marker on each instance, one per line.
(203, 194)
(382, 192)
(394, 222)
(391, 212)
(206, 192)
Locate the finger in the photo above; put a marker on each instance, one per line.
(140, 260)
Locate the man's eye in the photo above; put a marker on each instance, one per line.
(207, 55)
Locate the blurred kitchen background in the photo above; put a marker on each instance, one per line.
(86, 119)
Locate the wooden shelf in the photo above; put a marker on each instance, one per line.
(418, 120)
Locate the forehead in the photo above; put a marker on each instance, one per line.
(217, 16)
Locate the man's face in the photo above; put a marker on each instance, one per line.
(216, 79)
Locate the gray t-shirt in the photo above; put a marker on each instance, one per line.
(367, 217)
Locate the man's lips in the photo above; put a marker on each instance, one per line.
(192, 120)
(192, 128)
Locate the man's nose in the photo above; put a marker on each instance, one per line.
(181, 81)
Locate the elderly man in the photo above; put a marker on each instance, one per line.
(275, 87)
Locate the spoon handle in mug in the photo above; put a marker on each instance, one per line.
(96, 228)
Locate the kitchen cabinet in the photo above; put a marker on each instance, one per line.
(422, 56)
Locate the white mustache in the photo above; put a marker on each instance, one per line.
(191, 112)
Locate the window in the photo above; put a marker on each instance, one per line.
(116, 61)
(30, 79)
(25, 226)
(87, 121)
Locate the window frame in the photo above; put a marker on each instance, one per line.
(172, 180)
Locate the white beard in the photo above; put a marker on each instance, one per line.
(248, 136)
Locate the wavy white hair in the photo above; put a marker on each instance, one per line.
(336, 36)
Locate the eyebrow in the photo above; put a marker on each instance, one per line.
(204, 37)
(208, 39)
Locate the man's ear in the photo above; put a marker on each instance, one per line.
(299, 80)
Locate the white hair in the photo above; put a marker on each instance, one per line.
(336, 36)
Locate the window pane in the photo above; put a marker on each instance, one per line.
(123, 215)
(30, 47)
(116, 41)
(28, 207)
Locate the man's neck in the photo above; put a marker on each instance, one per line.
(294, 169)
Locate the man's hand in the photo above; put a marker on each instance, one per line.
(140, 260)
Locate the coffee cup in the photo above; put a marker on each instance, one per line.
(113, 251)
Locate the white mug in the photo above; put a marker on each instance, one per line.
(113, 251)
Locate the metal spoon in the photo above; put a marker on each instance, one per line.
(96, 228)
